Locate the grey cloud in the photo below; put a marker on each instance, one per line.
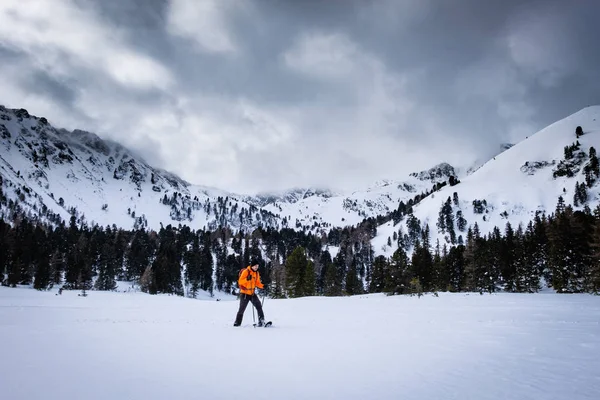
(426, 81)
(63, 91)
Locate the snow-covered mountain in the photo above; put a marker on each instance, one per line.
(50, 171)
(323, 208)
(526, 179)
(53, 174)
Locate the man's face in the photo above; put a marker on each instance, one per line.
(255, 267)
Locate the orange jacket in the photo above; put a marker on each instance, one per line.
(249, 280)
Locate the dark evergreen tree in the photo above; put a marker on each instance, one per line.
(42, 276)
(528, 276)
(332, 285)
(508, 258)
(414, 229)
(206, 266)
(461, 222)
(193, 270)
(140, 252)
(398, 275)
(6, 244)
(380, 267)
(422, 267)
(339, 262)
(441, 222)
(440, 274)
(475, 263)
(310, 281)
(353, 284)
(107, 268)
(455, 264)
(593, 277)
(324, 262)
(166, 268)
(295, 269)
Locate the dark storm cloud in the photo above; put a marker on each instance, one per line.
(266, 94)
(63, 91)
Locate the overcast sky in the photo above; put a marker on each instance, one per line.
(258, 95)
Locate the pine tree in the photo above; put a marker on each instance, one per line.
(79, 264)
(166, 268)
(449, 220)
(569, 249)
(455, 264)
(278, 282)
(42, 277)
(422, 267)
(310, 280)
(332, 285)
(508, 258)
(440, 277)
(475, 266)
(57, 266)
(324, 261)
(414, 229)
(339, 262)
(461, 222)
(206, 266)
(521, 261)
(582, 224)
(22, 271)
(107, 268)
(398, 275)
(220, 250)
(6, 244)
(528, 279)
(193, 270)
(593, 278)
(377, 282)
(353, 284)
(441, 222)
(425, 237)
(295, 269)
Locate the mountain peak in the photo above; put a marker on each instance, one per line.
(438, 173)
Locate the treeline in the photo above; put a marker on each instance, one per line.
(175, 260)
(561, 251)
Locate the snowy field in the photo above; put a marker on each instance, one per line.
(456, 346)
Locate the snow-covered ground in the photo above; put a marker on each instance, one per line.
(455, 346)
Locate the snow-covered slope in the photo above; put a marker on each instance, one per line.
(457, 346)
(312, 208)
(53, 173)
(77, 173)
(516, 184)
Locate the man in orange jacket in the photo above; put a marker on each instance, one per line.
(248, 281)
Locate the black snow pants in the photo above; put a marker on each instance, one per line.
(244, 299)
